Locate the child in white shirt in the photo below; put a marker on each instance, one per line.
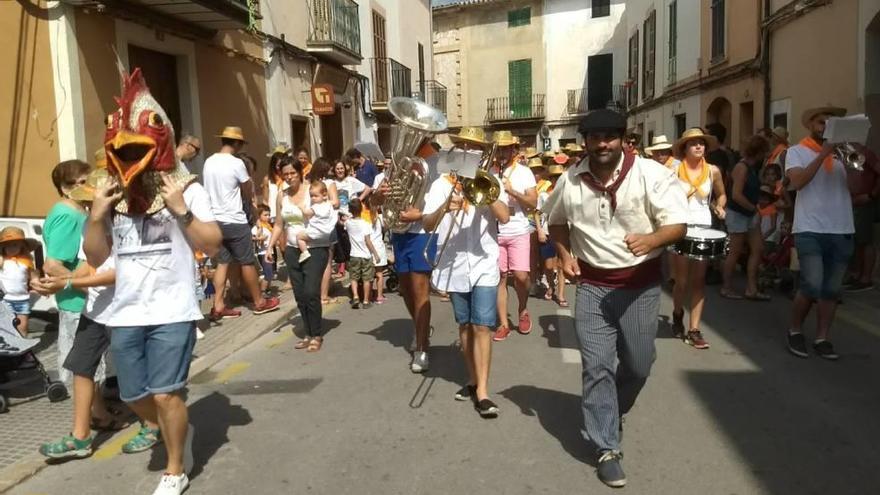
(382, 262)
(262, 232)
(361, 265)
(321, 219)
(16, 273)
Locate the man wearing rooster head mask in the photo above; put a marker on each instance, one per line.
(150, 216)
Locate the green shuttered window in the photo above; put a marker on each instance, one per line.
(519, 17)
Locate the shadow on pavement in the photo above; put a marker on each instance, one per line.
(211, 417)
(397, 332)
(559, 414)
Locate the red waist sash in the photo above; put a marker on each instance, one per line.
(631, 277)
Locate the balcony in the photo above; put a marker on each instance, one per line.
(390, 79)
(335, 31)
(199, 17)
(433, 93)
(505, 108)
(581, 101)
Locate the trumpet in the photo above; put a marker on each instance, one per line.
(850, 156)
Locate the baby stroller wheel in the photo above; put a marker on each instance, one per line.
(391, 284)
(4, 404)
(56, 392)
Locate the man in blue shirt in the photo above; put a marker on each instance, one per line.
(364, 169)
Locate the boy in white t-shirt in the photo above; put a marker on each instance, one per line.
(363, 254)
(262, 233)
(321, 218)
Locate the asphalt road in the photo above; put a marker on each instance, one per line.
(743, 417)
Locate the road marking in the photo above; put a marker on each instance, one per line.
(567, 338)
(857, 321)
(284, 337)
(112, 448)
(231, 371)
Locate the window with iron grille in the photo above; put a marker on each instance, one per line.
(601, 8)
(519, 17)
(633, 75)
(672, 42)
(650, 54)
(718, 29)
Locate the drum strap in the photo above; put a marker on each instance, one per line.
(611, 190)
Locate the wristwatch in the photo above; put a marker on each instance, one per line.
(185, 219)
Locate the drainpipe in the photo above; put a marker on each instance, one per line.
(765, 64)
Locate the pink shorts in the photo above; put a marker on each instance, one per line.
(513, 253)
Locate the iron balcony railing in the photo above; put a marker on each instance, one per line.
(335, 22)
(530, 106)
(433, 93)
(390, 78)
(581, 101)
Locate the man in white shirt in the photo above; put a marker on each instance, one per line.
(227, 181)
(610, 217)
(467, 272)
(823, 230)
(514, 237)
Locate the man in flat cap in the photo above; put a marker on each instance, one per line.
(610, 216)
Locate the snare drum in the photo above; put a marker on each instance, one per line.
(701, 243)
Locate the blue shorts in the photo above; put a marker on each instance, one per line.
(152, 359)
(19, 307)
(547, 250)
(477, 307)
(824, 259)
(409, 252)
(737, 223)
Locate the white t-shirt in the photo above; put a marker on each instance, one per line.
(471, 257)
(154, 266)
(100, 299)
(358, 231)
(542, 217)
(521, 179)
(223, 176)
(322, 222)
(259, 230)
(378, 180)
(294, 222)
(824, 205)
(379, 242)
(14, 278)
(272, 199)
(347, 189)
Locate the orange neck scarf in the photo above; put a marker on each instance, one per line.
(24, 260)
(695, 184)
(265, 225)
(544, 186)
(670, 162)
(810, 143)
(457, 187)
(775, 153)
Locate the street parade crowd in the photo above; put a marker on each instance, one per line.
(139, 244)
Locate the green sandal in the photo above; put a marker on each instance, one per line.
(68, 447)
(144, 440)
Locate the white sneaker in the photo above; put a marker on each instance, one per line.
(172, 485)
(199, 334)
(303, 256)
(419, 362)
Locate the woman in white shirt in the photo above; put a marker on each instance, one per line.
(306, 277)
(467, 269)
(321, 171)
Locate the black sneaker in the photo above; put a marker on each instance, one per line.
(487, 409)
(609, 469)
(678, 325)
(860, 287)
(824, 349)
(468, 392)
(355, 305)
(797, 345)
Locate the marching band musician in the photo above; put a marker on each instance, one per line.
(610, 216)
(705, 194)
(467, 271)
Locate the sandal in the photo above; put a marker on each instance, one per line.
(562, 303)
(315, 344)
(729, 295)
(302, 344)
(145, 439)
(329, 300)
(108, 424)
(68, 447)
(757, 296)
(548, 296)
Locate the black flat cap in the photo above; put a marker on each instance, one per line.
(602, 120)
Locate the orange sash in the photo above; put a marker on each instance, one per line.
(544, 186)
(695, 185)
(775, 153)
(809, 142)
(23, 260)
(670, 162)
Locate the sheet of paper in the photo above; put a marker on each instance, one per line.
(850, 129)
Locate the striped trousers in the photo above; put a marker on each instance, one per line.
(616, 330)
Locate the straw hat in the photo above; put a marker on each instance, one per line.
(536, 162)
(471, 134)
(695, 133)
(12, 234)
(278, 149)
(780, 133)
(504, 138)
(86, 192)
(560, 159)
(811, 113)
(555, 170)
(232, 133)
(573, 149)
(101, 158)
(659, 143)
(530, 152)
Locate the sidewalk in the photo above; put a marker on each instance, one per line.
(33, 421)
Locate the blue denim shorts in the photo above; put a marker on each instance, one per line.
(152, 359)
(19, 307)
(477, 307)
(409, 252)
(737, 223)
(824, 259)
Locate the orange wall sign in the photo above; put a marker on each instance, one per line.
(323, 99)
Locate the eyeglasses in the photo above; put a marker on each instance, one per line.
(194, 148)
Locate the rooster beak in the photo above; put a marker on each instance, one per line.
(130, 154)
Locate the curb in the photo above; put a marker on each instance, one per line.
(28, 467)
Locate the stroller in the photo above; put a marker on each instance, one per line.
(19, 365)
